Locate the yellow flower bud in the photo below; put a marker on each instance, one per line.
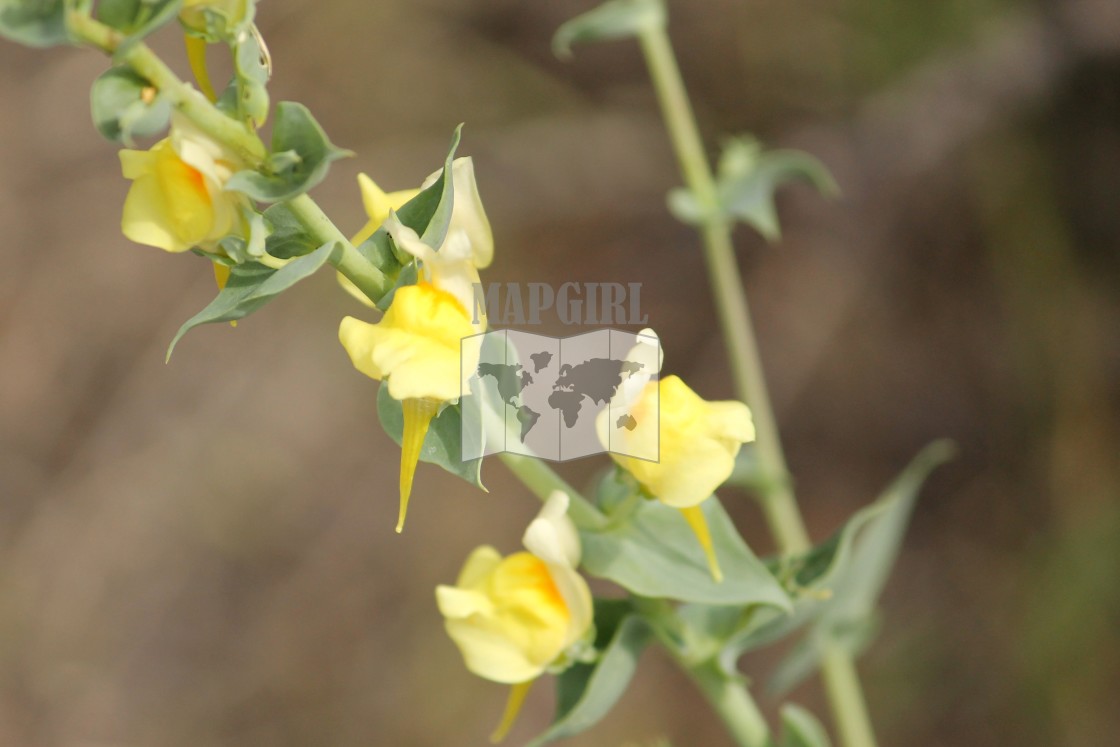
(513, 617)
(415, 349)
(177, 200)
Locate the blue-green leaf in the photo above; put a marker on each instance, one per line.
(614, 19)
(654, 553)
(747, 179)
(586, 692)
(125, 105)
(251, 286)
(443, 443)
(36, 23)
(800, 728)
(301, 157)
(749, 176)
(817, 580)
(436, 230)
(137, 18)
(843, 578)
(287, 237)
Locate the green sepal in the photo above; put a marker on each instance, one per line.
(301, 157)
(251, 286)
(653, 552)
(615, 19)
(746, 181)
(119, 110)
(442, 444)
(136, 18)
(585, 693)
(800, 728)
(36, 23)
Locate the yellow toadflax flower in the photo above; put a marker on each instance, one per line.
(697, 441)
(468, 222)
(177, 200)
(414, 350)
(515, 617)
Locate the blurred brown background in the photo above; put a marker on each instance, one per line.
(202, 553)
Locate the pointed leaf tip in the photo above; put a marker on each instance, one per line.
(614, 19)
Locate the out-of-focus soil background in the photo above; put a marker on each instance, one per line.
(203, 554)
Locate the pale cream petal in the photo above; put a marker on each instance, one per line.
(552, 536)
(489, 654)
(468, 214)
(408, 240)
(731, 420)
(480, 564)
(455, 603)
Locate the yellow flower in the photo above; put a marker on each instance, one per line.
(697, 442)
(177, 200)
(468, 235)
(515, 617)
(415, 350)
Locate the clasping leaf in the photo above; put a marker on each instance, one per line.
(615, 19)
(301, 157)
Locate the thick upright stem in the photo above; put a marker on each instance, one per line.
(841, 681)
(727, 287)
(778, 501)
(730, 699)
(727, 695)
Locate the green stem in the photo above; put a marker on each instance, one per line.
(727, 695)
(729, 698)
(841, 681)
(778, 501)
(542, 480)
(193, 104)
(355, 267)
